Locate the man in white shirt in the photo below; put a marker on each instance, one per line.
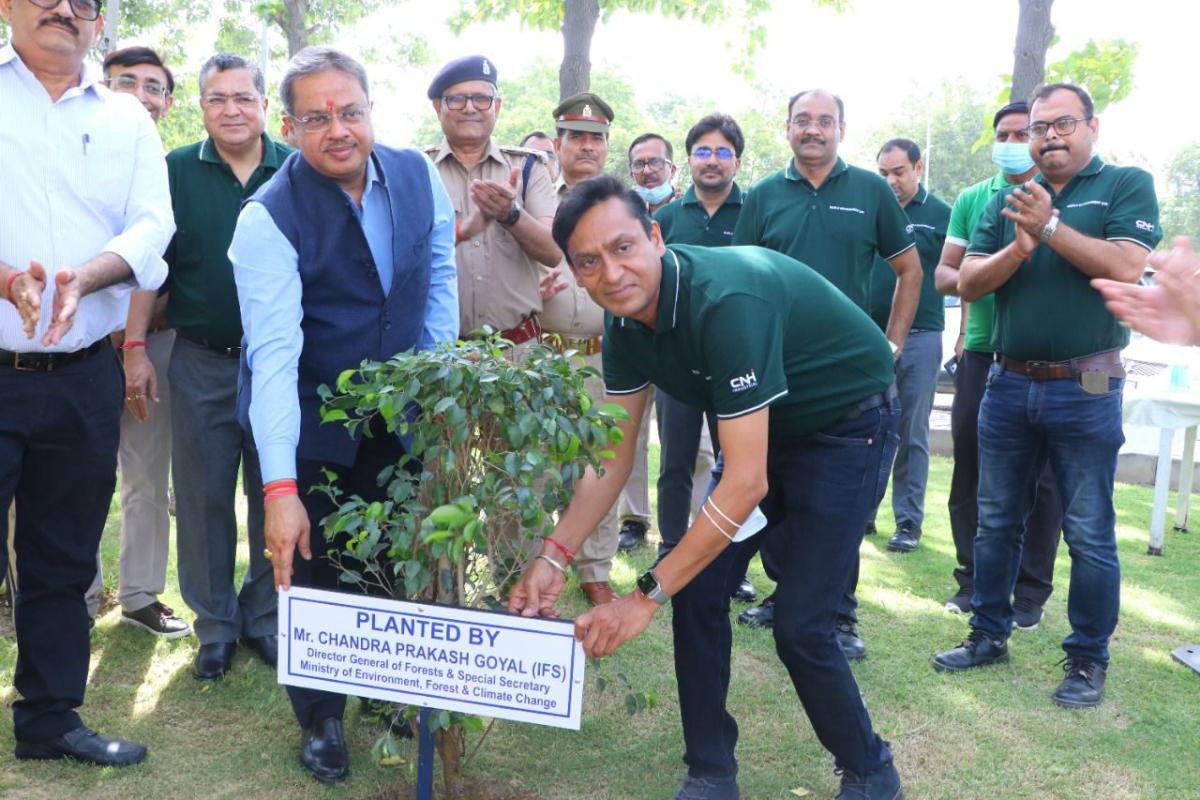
(87, 217)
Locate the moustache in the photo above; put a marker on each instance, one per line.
(63, 21)
(1050, 148)
(812, 140)
(340, 143)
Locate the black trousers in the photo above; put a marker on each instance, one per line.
(374, 453)
(1043, 521)
(59, 433)
(679, 440)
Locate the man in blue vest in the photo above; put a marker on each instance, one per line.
(347, 254)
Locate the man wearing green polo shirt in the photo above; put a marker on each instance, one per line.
(837, 219)
(917, 368)
(974, 355)
(209, 181)
(1054, 393)
(799, 379)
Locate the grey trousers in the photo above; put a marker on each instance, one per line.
(916, 382)
(145, 464)
(209, 445)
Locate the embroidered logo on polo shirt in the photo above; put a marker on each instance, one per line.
(1143, 225)
(908, 229)
(1103, 203)
(847, 208)
(915, 225)
(744, 382)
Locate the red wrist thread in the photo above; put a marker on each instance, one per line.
(279, 488)
(562, 548)
(12, 278)
(129, 344)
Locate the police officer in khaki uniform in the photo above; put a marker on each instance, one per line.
(571, 319)
(504, 202)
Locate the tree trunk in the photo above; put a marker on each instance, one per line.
(294, 27)
(1034, 34)
(579, 23)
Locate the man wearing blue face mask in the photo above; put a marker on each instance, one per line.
(653, 170)
(974, 353)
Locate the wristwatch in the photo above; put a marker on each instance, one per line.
(1049, 229)
(513, 215)
(648, 585)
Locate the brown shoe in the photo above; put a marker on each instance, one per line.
(598, 592)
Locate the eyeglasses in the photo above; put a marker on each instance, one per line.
(216, 102)
(87, 10)
(705, 153)
(457, 102)
(1063, 126)
(804, 120)
(655, 164)
(315, 123)
(131, 84)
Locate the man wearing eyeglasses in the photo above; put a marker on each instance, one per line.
(1054, 393)
(86, 219)
(209, 182)
(145, 453)
(706, 215)
(652, 169)
(346, 255)
(836, 218)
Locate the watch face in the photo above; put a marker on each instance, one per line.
(647, 583)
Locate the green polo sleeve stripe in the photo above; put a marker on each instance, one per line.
(962, 217)
(986, 238)
(1133, 211)
(891, 223)
(620, 375)
(743, 345)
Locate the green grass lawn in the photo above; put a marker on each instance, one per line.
(990, 734)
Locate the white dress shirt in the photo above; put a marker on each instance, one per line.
(80, 176)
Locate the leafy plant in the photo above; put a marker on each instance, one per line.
(494, 444)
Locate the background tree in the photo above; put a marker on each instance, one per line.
(1035, 34)
(1181, 207)
(577, 19)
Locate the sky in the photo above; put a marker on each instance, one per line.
(874, 55)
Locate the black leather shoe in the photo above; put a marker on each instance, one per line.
(848, 639)
(977, 650)
(745, 592)
(761, 616)
(880, 784)
(323, 751)
(708, 789)
(632, 535)
(83, 744)
(905, 539)
(213, 660)
(266, 647)
(1083, 687)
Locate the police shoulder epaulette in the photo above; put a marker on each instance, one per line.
(511, 149)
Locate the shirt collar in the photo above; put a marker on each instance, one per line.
(668, 297)
(87, 78)
(272, 155)
(443, 151)
(734, 198)
(1092, 168)
(793, 174)
(921, 196)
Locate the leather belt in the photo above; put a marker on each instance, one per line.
(585, 347)
(48, 362)
(528, 330)
(871, 401)
(196, 338)
(1108, 362)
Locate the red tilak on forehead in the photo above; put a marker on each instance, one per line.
(329, 105)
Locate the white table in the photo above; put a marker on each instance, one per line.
(1167, 409)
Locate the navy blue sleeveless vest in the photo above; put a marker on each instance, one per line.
(347, 318)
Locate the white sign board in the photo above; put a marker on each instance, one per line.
(476, 662)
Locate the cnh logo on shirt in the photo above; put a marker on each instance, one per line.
(744, 382)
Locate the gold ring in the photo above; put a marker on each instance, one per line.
(267, 554)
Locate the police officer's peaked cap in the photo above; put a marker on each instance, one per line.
(583, 112)
(467, 68)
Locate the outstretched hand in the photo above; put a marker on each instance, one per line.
(609, 625)
(536, 591)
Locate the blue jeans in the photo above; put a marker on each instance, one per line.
(1022, 424)
(916, 378)
(821, 490)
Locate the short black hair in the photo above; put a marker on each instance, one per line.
(1019, 107)
(535, 135)
(223, 62)
(647, 137)
(1043, 92)
(589, 193)
(910, 148)
(837, 99)
(132, 56)
(721, 123)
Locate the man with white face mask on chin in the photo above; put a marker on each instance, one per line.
(974, 356)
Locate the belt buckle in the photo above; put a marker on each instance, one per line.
(17, 365)
(1032, 365)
